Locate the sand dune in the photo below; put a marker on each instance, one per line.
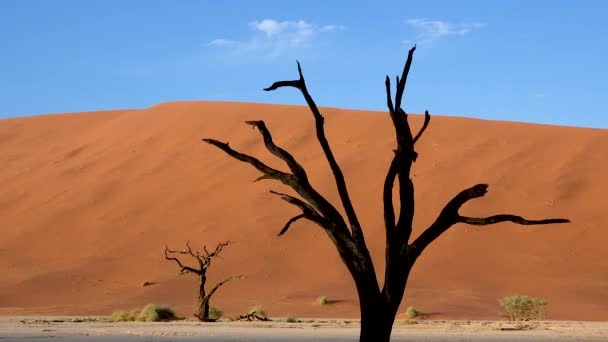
(89, 200)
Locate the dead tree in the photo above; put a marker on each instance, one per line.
(378, 304)
(204, 261)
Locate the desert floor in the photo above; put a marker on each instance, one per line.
(91, 329)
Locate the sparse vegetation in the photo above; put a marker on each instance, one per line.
(411, 312)
(519, 308)
(291, 320)
(255, 313)
(215, 313)
(149, 313)
(257, 310)
(322, 300)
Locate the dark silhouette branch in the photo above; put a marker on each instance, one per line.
(483, 221)
(402, 161)
(269, 173)
(389, 210)
(307, 208)
(294, 166)
(427, 119)
(308, 212)
(401, 83)
(297, 181)
(221, 283)
(314, 206)
(183, 268)
(335, 168)
(450, 216)
(262, 177)
(209, 256)
(288, 224)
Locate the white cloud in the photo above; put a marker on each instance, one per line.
(430, 30)
(272, 38)
(220, 42)
(332, 28)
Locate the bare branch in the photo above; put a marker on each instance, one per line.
(288, 224)
(449, 216)
(183, 268)
(218, 285)
(295, 167)
(335, 168)
(262, 177)
(269, 173)
(277, 85)
(401, 83)
(218, 249)
(389, 210)
(427, 119)
(389, 100)
(297, 202)
(478, 221)
(316, 203)
(308, 212)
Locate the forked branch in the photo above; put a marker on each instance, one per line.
(204, 261)
(450, 216)
(308, 212)
(294, 166)
(183, 268)
(300, 84)
(269, 173)
(316, 206)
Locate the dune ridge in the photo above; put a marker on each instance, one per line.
(89, 200)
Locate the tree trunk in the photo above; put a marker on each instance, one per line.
(203, 302)
(377, 319)
(204, 309)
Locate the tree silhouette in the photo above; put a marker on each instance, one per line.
(378, 304)
(204, 261)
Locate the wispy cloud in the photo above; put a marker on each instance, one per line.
(332, 28)
(539, 95)
(272, 38)
(220, 42)
(431, 30)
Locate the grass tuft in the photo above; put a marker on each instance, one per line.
(215, 313)
(412, 312)
(150, 313)
(258, 310)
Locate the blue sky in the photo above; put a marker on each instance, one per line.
(531, 61)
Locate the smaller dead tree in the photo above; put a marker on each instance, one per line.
(204, 261)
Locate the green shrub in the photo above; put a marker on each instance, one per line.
(215, 313)
(322, 300)
(411, 312)
(125, 316)
(257, 310)
(519, 308)
(291, 320)
(150, 313)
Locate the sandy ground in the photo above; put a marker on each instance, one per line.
(66, 329)
(88, 202)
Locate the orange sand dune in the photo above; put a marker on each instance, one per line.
(89, 200)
